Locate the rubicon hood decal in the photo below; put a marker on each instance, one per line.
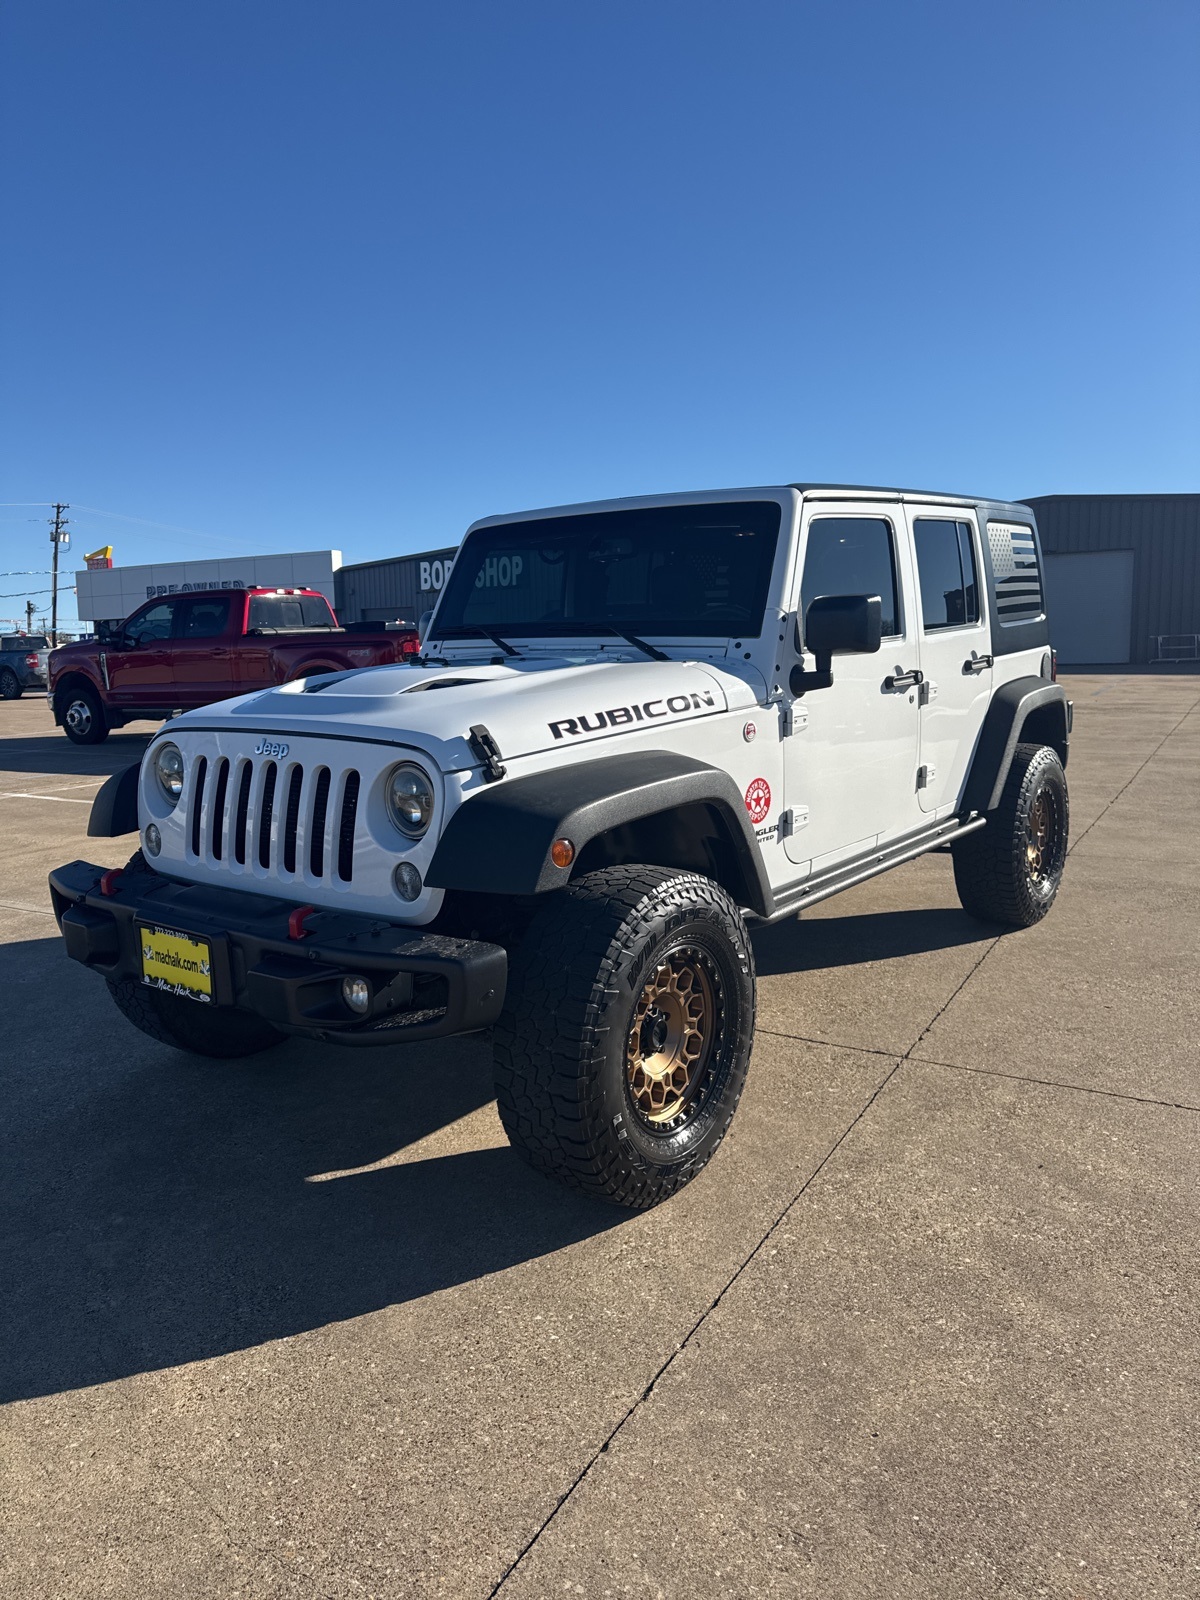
(675, 705)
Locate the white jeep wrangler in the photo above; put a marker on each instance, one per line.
(635, 726)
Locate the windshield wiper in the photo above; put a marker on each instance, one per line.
(466, 629)
(651, 650)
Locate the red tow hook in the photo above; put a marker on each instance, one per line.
(296, 921)
(110, 879)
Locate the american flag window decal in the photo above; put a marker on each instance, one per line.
(1014, 562)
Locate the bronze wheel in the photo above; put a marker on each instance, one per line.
(671, 1036)
(1041, 844)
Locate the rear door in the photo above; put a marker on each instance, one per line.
(203, 672)
(953, 650)
(851, 760)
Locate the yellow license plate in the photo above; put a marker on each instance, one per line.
(176, 963)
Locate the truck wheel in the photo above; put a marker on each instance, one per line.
(10, 685)
(83, 718)
(203, 1030)
(623, 1046)
(1010, 871)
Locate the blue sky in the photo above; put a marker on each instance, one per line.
(298, 275)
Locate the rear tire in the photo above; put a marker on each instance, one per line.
(83, 719)
(10, 685)
(1010, 871)
(624, 1043)
(219, 1032)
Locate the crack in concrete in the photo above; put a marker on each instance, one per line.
(683, 1344)
(1056, 1083)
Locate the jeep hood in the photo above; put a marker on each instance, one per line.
(527, 706)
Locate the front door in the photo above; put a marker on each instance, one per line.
(140, 673)
(201, 650)
(851, 759)
(954, 652)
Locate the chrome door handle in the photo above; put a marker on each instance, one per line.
(977, 663)
(905, 680)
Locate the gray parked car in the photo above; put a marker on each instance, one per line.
(23, 663)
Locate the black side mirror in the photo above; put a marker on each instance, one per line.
(835, 625)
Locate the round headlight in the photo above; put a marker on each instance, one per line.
(409, 799)
(168, 769)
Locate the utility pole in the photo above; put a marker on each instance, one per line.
(29, 616)
(58, 537)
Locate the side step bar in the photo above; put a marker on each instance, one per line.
(845, 876)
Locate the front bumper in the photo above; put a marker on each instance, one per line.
(424, 985)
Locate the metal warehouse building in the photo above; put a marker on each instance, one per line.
(400, 589)
(1122, 575)
(1122, 578)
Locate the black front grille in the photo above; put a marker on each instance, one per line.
(266, 813)
(316, 843)
(253, 816)
(197, 801)
(243, 810)
(218, 808)
(345, 853)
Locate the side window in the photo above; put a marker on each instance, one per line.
(206, 619)
(1015, 564)
(153, 624)
(946, 568)
(852, 555)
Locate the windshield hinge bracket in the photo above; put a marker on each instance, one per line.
(485, 750)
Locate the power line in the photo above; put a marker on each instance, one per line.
(170, 527)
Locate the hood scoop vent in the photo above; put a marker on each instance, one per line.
(444, 683)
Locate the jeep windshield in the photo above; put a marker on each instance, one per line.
(698, 570)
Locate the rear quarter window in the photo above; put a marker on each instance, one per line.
(289, 611)
(1015, 566)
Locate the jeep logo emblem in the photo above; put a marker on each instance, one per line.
(268, 747)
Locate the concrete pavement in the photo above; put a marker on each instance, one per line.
(926, 1326)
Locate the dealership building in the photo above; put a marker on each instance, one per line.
(108, 593)
(1122, 578)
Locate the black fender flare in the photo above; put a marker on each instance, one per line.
(114, 810)
(498, 841)
(1012, 706)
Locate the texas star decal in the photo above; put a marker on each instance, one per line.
(758, 799)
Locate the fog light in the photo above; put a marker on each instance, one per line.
(153, 839)
(562, 852)
(356, 992)
(407, 880)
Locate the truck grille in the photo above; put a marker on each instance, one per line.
(235, 815)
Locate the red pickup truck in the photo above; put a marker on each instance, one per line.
(186, 650)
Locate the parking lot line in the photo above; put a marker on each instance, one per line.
(62, 799)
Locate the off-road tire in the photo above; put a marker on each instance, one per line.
(993, 868)
(10, 685)
(563, 1078)
(90, 725)
(202, 1030)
